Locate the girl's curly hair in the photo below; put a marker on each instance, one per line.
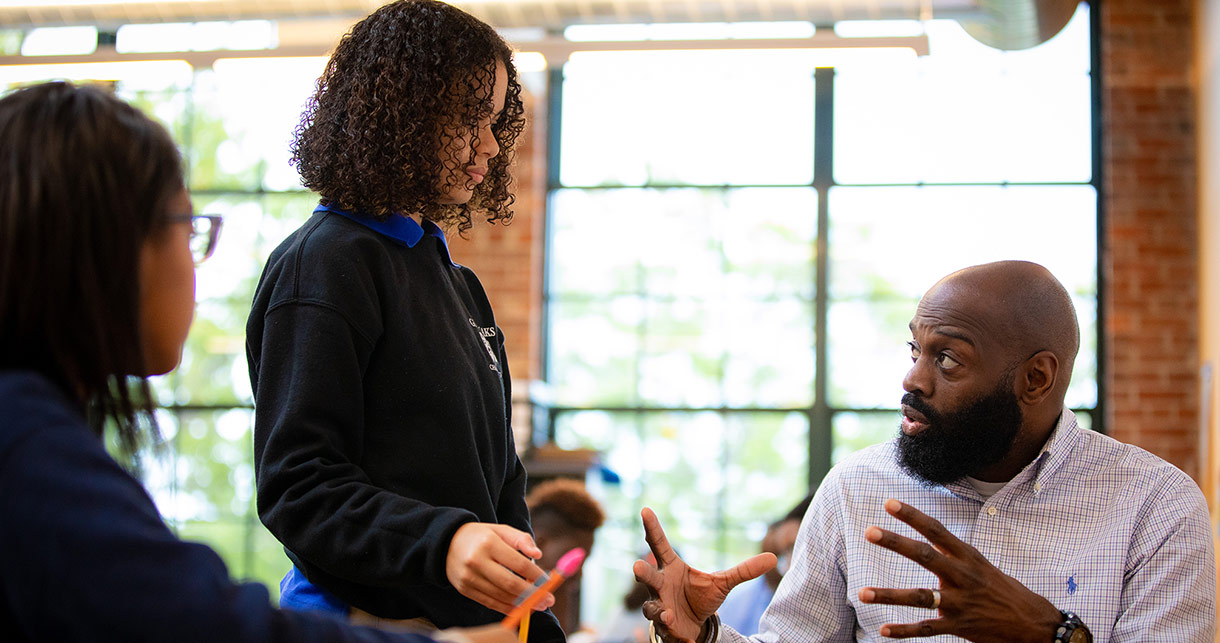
(405, 81)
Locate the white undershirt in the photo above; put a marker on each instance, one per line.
(985, 489)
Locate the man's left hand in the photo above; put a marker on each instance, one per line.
(975, 600)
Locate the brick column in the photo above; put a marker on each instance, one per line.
(1150, 256)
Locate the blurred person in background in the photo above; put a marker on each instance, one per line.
(746, 603)
(565, 516)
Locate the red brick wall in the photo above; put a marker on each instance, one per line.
(1150, 259)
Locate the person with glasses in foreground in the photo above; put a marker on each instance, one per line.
(992, 516)
(98, 248)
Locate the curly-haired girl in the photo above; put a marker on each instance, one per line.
(384, 456)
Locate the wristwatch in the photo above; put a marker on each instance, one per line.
(1072, 630)
(711, 635)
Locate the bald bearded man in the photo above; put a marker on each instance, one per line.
(992, 516)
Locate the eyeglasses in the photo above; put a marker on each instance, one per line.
(205, 230)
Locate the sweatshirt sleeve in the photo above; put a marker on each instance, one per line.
(309, 429)
(84, 555)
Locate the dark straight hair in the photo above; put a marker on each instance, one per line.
(85, 179)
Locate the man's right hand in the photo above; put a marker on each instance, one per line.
(683, 598)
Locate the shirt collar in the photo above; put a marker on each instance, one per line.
(402, 229)
(1059, 446)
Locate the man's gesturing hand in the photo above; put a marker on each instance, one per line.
(975, 600)
(683, 598)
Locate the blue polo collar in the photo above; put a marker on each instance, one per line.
(402, 229)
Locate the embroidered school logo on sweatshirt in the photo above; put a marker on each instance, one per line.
(484, 333)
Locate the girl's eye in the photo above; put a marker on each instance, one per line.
(944, 361)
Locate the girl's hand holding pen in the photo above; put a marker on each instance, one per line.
(542, 588)
(493, 564)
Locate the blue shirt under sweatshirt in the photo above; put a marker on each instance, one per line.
(84, 555)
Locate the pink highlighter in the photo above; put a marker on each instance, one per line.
(567, 565)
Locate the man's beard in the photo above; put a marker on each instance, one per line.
(962, 442)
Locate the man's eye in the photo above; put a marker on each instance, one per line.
(945, 361)
(914, 350)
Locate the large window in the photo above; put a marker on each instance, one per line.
(737, 241)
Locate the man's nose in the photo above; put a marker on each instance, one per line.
(918, 379)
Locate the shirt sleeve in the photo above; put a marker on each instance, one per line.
(810, 603)
(1169, 593)
(84, 555)
(309, 430)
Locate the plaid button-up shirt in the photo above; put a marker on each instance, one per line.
(1098, 527)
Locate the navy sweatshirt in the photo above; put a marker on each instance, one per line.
(382, 415)
(84, 555)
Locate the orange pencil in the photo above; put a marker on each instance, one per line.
(523, 633)
(567, 565)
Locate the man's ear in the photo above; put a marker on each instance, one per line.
(1037, 379)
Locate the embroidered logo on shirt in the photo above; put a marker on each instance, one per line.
(1072, 584)
(484, 333)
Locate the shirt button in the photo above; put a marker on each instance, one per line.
(1037, 486)
(991, 511)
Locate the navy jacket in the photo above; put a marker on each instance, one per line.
(84, 555)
